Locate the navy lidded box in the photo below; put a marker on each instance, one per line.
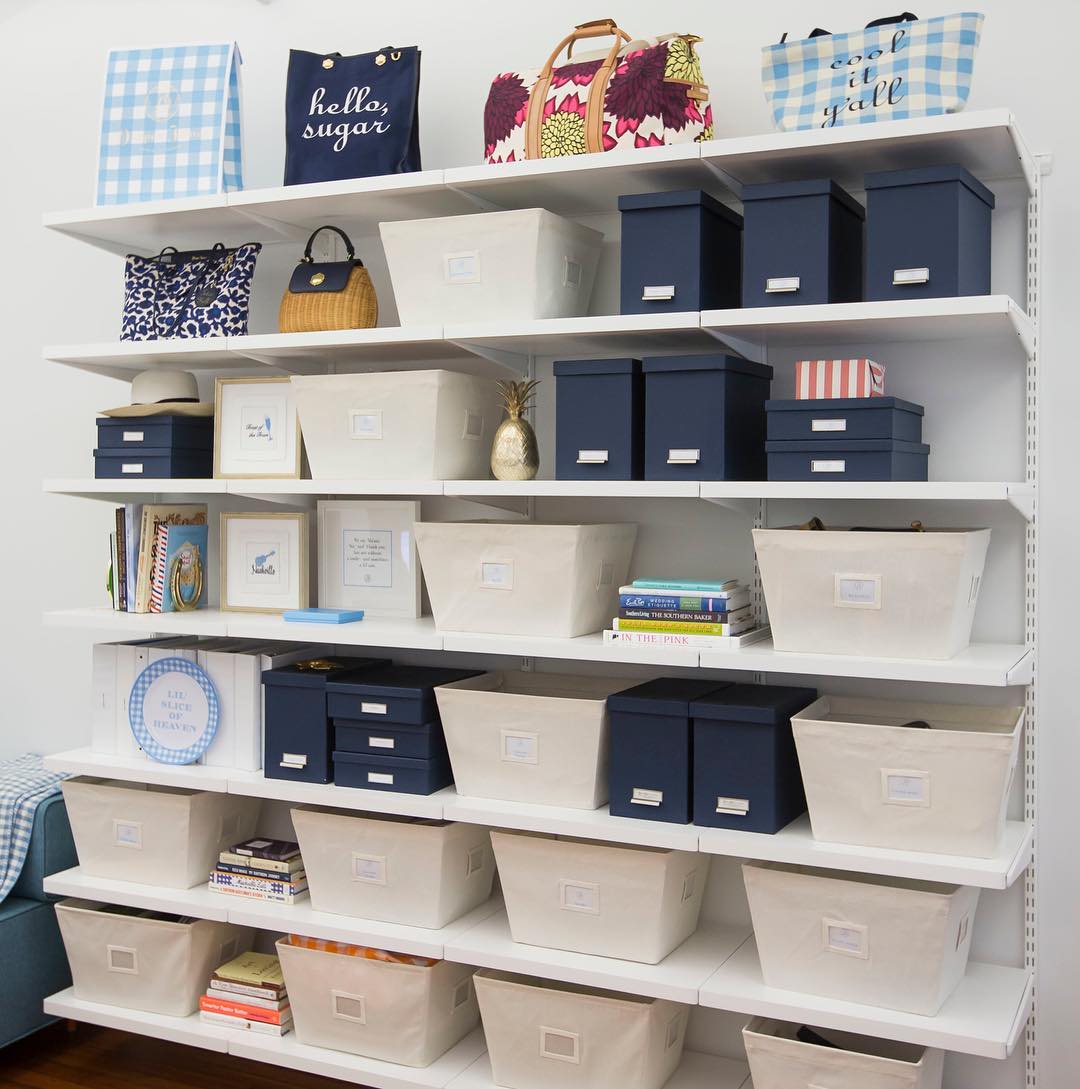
(829, 419)
(848, 459)
(139, 432)
(802, 244)
(369, 772)
(746, 769)
(156, 463)
(679, 252)
(599, 419)
(392, 693)
(927, 234)
(650, 762)
(705, 417)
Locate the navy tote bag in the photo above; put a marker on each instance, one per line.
(351, 117)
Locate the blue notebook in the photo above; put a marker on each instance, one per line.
(324, 616)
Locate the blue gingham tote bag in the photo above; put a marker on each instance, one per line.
(895, 68)
(170, 123)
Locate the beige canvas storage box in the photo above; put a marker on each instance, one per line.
(881, 941)
(154, 835)
(547, 1035)
(394, 869)
(492, 266)
(502, 578)
(874, 782)
(400, 425)
(879, 593)
(633, 903)
(529, 737)
(121, 958)
(779, 1060)
(400, 1013)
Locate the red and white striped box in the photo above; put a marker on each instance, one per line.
(817, 379)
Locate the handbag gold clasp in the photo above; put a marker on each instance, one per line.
(317, 279)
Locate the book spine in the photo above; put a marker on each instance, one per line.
(687, 617)
(142, 571)
(672, 639)
(287, 898)
(271, 884)
(157, 576)
(670, 627)
(685, 586)
(132, 519)
(249, 1000)
(290, 866)
(669, 602)
(256, 871)
(241, 1009)
(252, 990)
(226, 1021)
(121, 560)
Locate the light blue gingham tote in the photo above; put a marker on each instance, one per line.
(170, 123)
(887, 72)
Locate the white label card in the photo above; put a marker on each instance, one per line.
(133, 436)
(571, 272)
(365, 423)
(657, 292)
(386, 778)
(734, 807)
(678, 456)
(559, 1044)
(782, 285)
(380, 742)
(828, 465)
(828, 425)
(644, 796)
(911, 276)
(857, 591)
(463, 268)
(592, 457)
(474, 425)
(132, 468)
(371, 869)
(294, 760)
(367, 708)
(850, 939)
(128, 834)
(583, 896)
(348, 1007)
(520, 748)
(497, 575)
(122, 959)
(904, 787)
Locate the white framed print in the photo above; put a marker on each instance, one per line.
(256, 429)
(367, 557)
(264, 562)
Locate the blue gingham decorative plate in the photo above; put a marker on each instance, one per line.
(174, 711)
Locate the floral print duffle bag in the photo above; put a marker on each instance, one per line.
(641, 93)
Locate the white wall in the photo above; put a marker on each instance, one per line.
(53, 290)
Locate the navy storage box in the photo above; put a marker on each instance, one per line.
(705, 417)
(390, 738)
(140, 432)
(848, 459)
(296, 727)
(802, 243)
(927, 234)
(392, 773)
(402, 694)
(680, 251)
(155, 462)
(746, 771)
(649, 768)
(845, 418)
(599, 419)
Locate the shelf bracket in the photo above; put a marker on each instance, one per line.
(287, 232)
(1023, 501)
(482, 203)
(748, 508)
(285, 364)
(748, 349)
(512, 361)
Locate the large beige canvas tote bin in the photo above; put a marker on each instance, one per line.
(881, 941)
(878, 593)
(502, 578)
(144, 964)
(778, 1060)
(401, 425)
(874, 782)
(633, 903)
(165, 836)
(492, 266)
(546, 1035)
(400, 1013)
(394, 869)
(529, 737)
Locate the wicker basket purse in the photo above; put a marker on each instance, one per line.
(328, 294)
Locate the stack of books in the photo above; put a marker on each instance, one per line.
(248, 992)
(678, 612)
(261, 869)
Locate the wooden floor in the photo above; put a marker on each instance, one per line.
(95, 1058)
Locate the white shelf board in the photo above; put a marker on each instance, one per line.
(984, 1016)
(575, 489)
(124, 359)
(584, 648)
(418, 634)
(133, 769)
(117, 490)
(274, 489)
(198, 902)
(105, 619)
(679, 977)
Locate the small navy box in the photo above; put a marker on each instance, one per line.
(403, 694)
(705, 417)
(680, 252)
(649, 769)
(802, 244)
(155, 462)
(746, 771)
(139, 432)
(390, 738)
(397, 773)
(848, 459)
(599, 419)
(845, 418)
(927, 234)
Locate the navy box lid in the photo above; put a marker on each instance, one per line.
(712, 362)
(596, 366)
(816, 187)
(300, 675)
(928, 175)
(853, 446)
(664, 696)
(843, 404)
(196, 423)
(682, 198)
(768, 704)
(145, 452)
(390, 680)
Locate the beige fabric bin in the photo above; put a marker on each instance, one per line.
(529, 737)
(873, 782)
(557, 581)
(400, 1013)
(394, 869)
(880, 941)
(144, 964)
(778, 1060)
(633, 903)
(880, 593)
(547, 1035)
(165, 836)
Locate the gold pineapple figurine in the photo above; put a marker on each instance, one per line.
(514, 453)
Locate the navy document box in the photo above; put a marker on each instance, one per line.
(599, 419)
(848, 459)
(156, 447)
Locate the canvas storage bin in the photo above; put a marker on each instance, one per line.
(529, 737)
(780, 1060)
(542, 1034)
(492, 266)
(882, 941)
(400, 425)
(874, 782)
(506, 578)
(883, 593)
(400, 1013)
(154, 835)
(633, 903)
(155, 965)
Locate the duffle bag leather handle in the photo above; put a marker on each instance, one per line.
(307, 258)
